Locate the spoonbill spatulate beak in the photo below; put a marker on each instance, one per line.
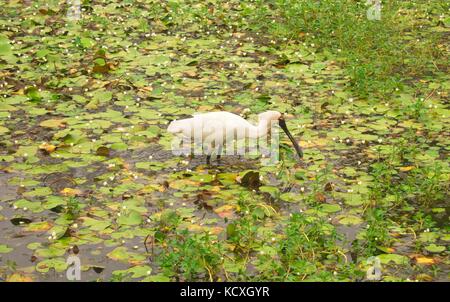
(283, 126)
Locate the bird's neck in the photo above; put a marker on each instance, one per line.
(260, 130)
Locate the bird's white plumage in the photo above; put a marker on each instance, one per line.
(211, 121)
(213, 130)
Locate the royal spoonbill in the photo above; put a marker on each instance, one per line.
(217, 126)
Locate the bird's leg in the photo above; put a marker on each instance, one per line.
(219, 153)
(208, 159)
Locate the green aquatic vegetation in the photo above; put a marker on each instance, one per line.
(187, 257)
(376, 236)
(378, 54)
(304, 252)
(242, 234)
(73, 208)
(306, 240)
(423, 221)
(429, 183)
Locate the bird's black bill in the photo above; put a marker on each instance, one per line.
(296, 146)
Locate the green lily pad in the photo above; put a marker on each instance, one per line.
(136, 271)
(5, 249)
(58, 264)
(122, 254)
(349, 219)
(397, 259)
(132, 218)
(330, 208)
(433, 248)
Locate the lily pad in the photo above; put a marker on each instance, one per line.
(5, 249)
(433, 248)
(349, 219)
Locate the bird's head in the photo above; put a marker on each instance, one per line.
(272, 115)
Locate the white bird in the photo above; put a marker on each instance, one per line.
(215, 126)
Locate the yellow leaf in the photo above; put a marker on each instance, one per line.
(406, 169)
(191, 73)
(53, 123)
(216, 230)
(205, 108)
(182, 183)
(425, 260)
(319, 142)
(38, 226)
(47, 147)
(19, 277)
(195, 228)
(70, 192)
(136, 262)
(149, 189)
(225, 211)
(424, 277)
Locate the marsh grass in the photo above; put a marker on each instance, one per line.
(379, 55)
